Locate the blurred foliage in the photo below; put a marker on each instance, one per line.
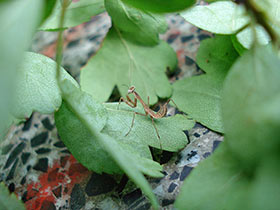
(242, 173)
(16, 34)
(9, 201)
(76, 13)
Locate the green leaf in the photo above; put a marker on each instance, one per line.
(217, 183)
(75, 134)
(136, 25)
(252, 89)
(161, 6)
(121, 62)
(48, 9)
(36, 87)
(226, 17)
(87, 149)
(9, 201)
(237, 45)
(200, 96)
(80, 141)
(77, 13)
(216, 55)
(246, 36)
(15, 16)
(93, 149)
(233, 188)
(222, 17)
(143, 133)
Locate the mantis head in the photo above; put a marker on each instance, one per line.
(131, 90)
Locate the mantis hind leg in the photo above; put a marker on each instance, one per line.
(153, 122)
(133, 119)
(132, 123)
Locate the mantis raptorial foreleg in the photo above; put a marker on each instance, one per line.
(153, 115)
(128, 101)
(133, 119)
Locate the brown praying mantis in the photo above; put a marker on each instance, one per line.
(148, 112)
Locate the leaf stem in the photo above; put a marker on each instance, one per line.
(59, 48)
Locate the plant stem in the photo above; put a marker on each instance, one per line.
(59, 47)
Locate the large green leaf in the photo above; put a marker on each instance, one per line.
(252, 88)
(36, 86)
(15, 17)
(136, 25)
(77, 13)
(79, 122)
(120, 62)
(217, 183)
(80, 141)
(222, 17)
(7, 201)
(226, 17)
(161, 6)
(200, 96)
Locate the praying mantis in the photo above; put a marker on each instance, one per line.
(148, 112)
